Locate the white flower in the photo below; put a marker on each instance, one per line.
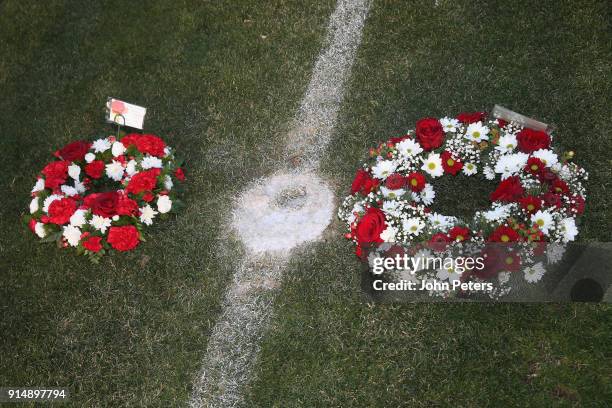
(568, 229)
(477, 132)
(507, 143)
(388, 235)
(164, 204)
(100, 223)
(78, 218)
(488, 173)
(554, 253)
(390, 207)
(439, 221)
(548, 157)
(534, 273)
(503, 277)
(39, 186)
(89, 157)
(383, 169)
(69, 190)
(79, 187)
(49, 200)
(118, 149)
(74, 171)
(147, 213)
(511, 164)
(449, 125)
(433, 165)
(101, 145)
(130, 169)
(115, 217)
(408, 148)
(168, 184)
(34, 206)
(428, 194)
(497, 213)
(151, 162)
(39, 229)
(543, 219)
(114, 170)
(72, 235)
(413, 226)
(392, 194)
(448, 272)
(469, 169)
(167, 151)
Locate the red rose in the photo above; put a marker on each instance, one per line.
(143, 181)
(416, 181)
(55, 173)
(530, 204)
(95, 169)
(61, 210)
(471, 117)
(74, 151)
(104, 204)
(150, 144)
(504, 234)
(450, 164)
(179, 174)
(93, 244)
(370, 226)
(559, 187)
(459, 234)
(125, 205)
(534, 165)
(123, 238)
(363, 183)
(508, 190)
(530, 140)
(429, 133)
(395, 181)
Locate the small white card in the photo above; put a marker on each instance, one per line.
(125, 114)
(510, 116)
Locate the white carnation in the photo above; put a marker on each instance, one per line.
(168, 184)
(130, 169)
(101, 145)
(69, 191)
(114, 170)
(147, 213)
(118, 149)
(34, 206)
(78, 218)
(89, 157)
(150, 162)
(100, 223)
(39, 229)
(39, 186)
(72, 235)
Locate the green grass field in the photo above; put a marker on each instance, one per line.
(222, 81)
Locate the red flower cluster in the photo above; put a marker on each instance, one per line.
(363, 183)
(143, 181)
(55, 173)
(150, 144)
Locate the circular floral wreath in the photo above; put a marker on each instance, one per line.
(538, 197)
(97, 196)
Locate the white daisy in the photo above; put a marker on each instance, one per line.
(449, 124)
(548, 157)
(118, 149)
(511, 164)
(100, 223)
(164, 204)
(49, 200)
(488, 173)
(390, 207)
(101, 145)
(39, 229)
(392, 194)
(130, 168)
(543, 219)
(69, 190)
(497, 213)
(439, 222)
(34, 205)
(147, 213)
(469, 169)
(78, 218)
(433, 165)
(534, 273)
(383, 169)
(408, 148)
(477, 132)
(428, 194)
(72, 235)
(89, 157)
(506, 143)
(74, 171)
(168, 184)
(554, 253)
(568, 229)
(150, 162)
(448, 272)
(413, 226)
(388, 235)
(114, 170)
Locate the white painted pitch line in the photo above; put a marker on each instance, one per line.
(294, 205)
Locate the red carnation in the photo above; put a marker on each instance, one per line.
(504, 234)
(508, 190)
(179, 174)
(95, 169)
(471, 117)
(534, 165)
(429, 133)
(450, 164)
(370, 226)
(55, 173)
(123, 238)
(459, 234)
(363, 183)
(150, 144)
(61, 210)
(395, 181)
(530, 140)
(530, 204)
(125, 205)
(416, 181)
(74, 151)
(148, 197)
(143, 181)
(104, 204)
(93, 244)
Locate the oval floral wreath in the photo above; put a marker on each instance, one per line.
(98, 195)
(537, 198)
